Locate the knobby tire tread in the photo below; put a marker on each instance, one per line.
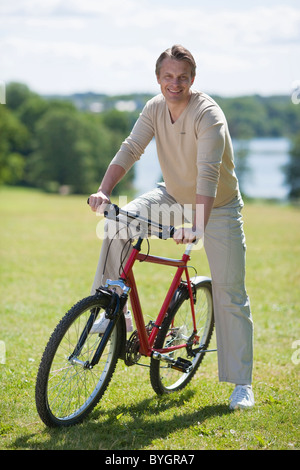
(49, 353)
(155, 364)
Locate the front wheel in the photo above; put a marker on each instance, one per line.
(176, 328)
(66, 390)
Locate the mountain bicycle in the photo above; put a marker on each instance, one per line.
(77, 366)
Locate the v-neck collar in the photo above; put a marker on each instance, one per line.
(181, 115)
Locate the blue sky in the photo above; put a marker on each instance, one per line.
(66, 46)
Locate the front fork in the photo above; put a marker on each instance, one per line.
(112, 312)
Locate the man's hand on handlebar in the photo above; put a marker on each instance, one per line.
(98, 202)
(185, 235)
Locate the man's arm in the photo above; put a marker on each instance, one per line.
(113, 175)
(204, 206)
(130, 151)
(211, 143)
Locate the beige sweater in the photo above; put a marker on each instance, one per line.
(195, 153)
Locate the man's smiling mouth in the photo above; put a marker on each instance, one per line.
(174, 91)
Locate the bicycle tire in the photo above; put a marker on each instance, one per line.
(66, 392)
(177, 324)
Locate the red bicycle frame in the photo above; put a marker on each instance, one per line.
(147, 342)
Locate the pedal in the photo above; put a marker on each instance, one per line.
(183, 365)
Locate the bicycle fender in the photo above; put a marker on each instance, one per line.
(183, 289)
(199, 279)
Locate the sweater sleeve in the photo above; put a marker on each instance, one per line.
(134, 146)
(211, 143)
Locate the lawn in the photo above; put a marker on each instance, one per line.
(48, 255)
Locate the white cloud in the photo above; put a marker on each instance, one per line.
(112, 46)
(31, 8)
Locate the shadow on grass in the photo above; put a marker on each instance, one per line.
(125, 427)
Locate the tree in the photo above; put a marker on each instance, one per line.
(72, 149)
(17, 94)
(64, 153)
(292, 170)
(118, 121)
(13, 143)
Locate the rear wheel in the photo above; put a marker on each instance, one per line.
(67, 390)
(177, 327)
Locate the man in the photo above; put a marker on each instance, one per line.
(196, 158)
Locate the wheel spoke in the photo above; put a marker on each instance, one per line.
(164, 378)
(66, 390)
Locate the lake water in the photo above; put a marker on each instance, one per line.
(264, 179)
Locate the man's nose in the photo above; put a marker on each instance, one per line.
(175, 81)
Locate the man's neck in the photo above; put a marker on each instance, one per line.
(176, 109)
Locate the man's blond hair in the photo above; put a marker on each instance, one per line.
(176, 52)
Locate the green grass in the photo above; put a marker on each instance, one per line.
(49, 251)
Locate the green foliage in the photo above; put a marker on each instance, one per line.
(50, 144)
(66, 147)
(49, 251)
(292, 170)
(117, 121)
(13, 143)
(17, 94)
(58, 144)
(257, 116)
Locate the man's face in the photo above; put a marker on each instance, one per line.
(175, 80)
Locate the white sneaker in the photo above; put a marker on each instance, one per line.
(128, 321)
(242, 398)
(100, 325)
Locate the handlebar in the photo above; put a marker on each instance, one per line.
(114, 211)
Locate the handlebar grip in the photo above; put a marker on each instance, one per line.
(111, 207)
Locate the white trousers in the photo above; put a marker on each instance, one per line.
(225, 247)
